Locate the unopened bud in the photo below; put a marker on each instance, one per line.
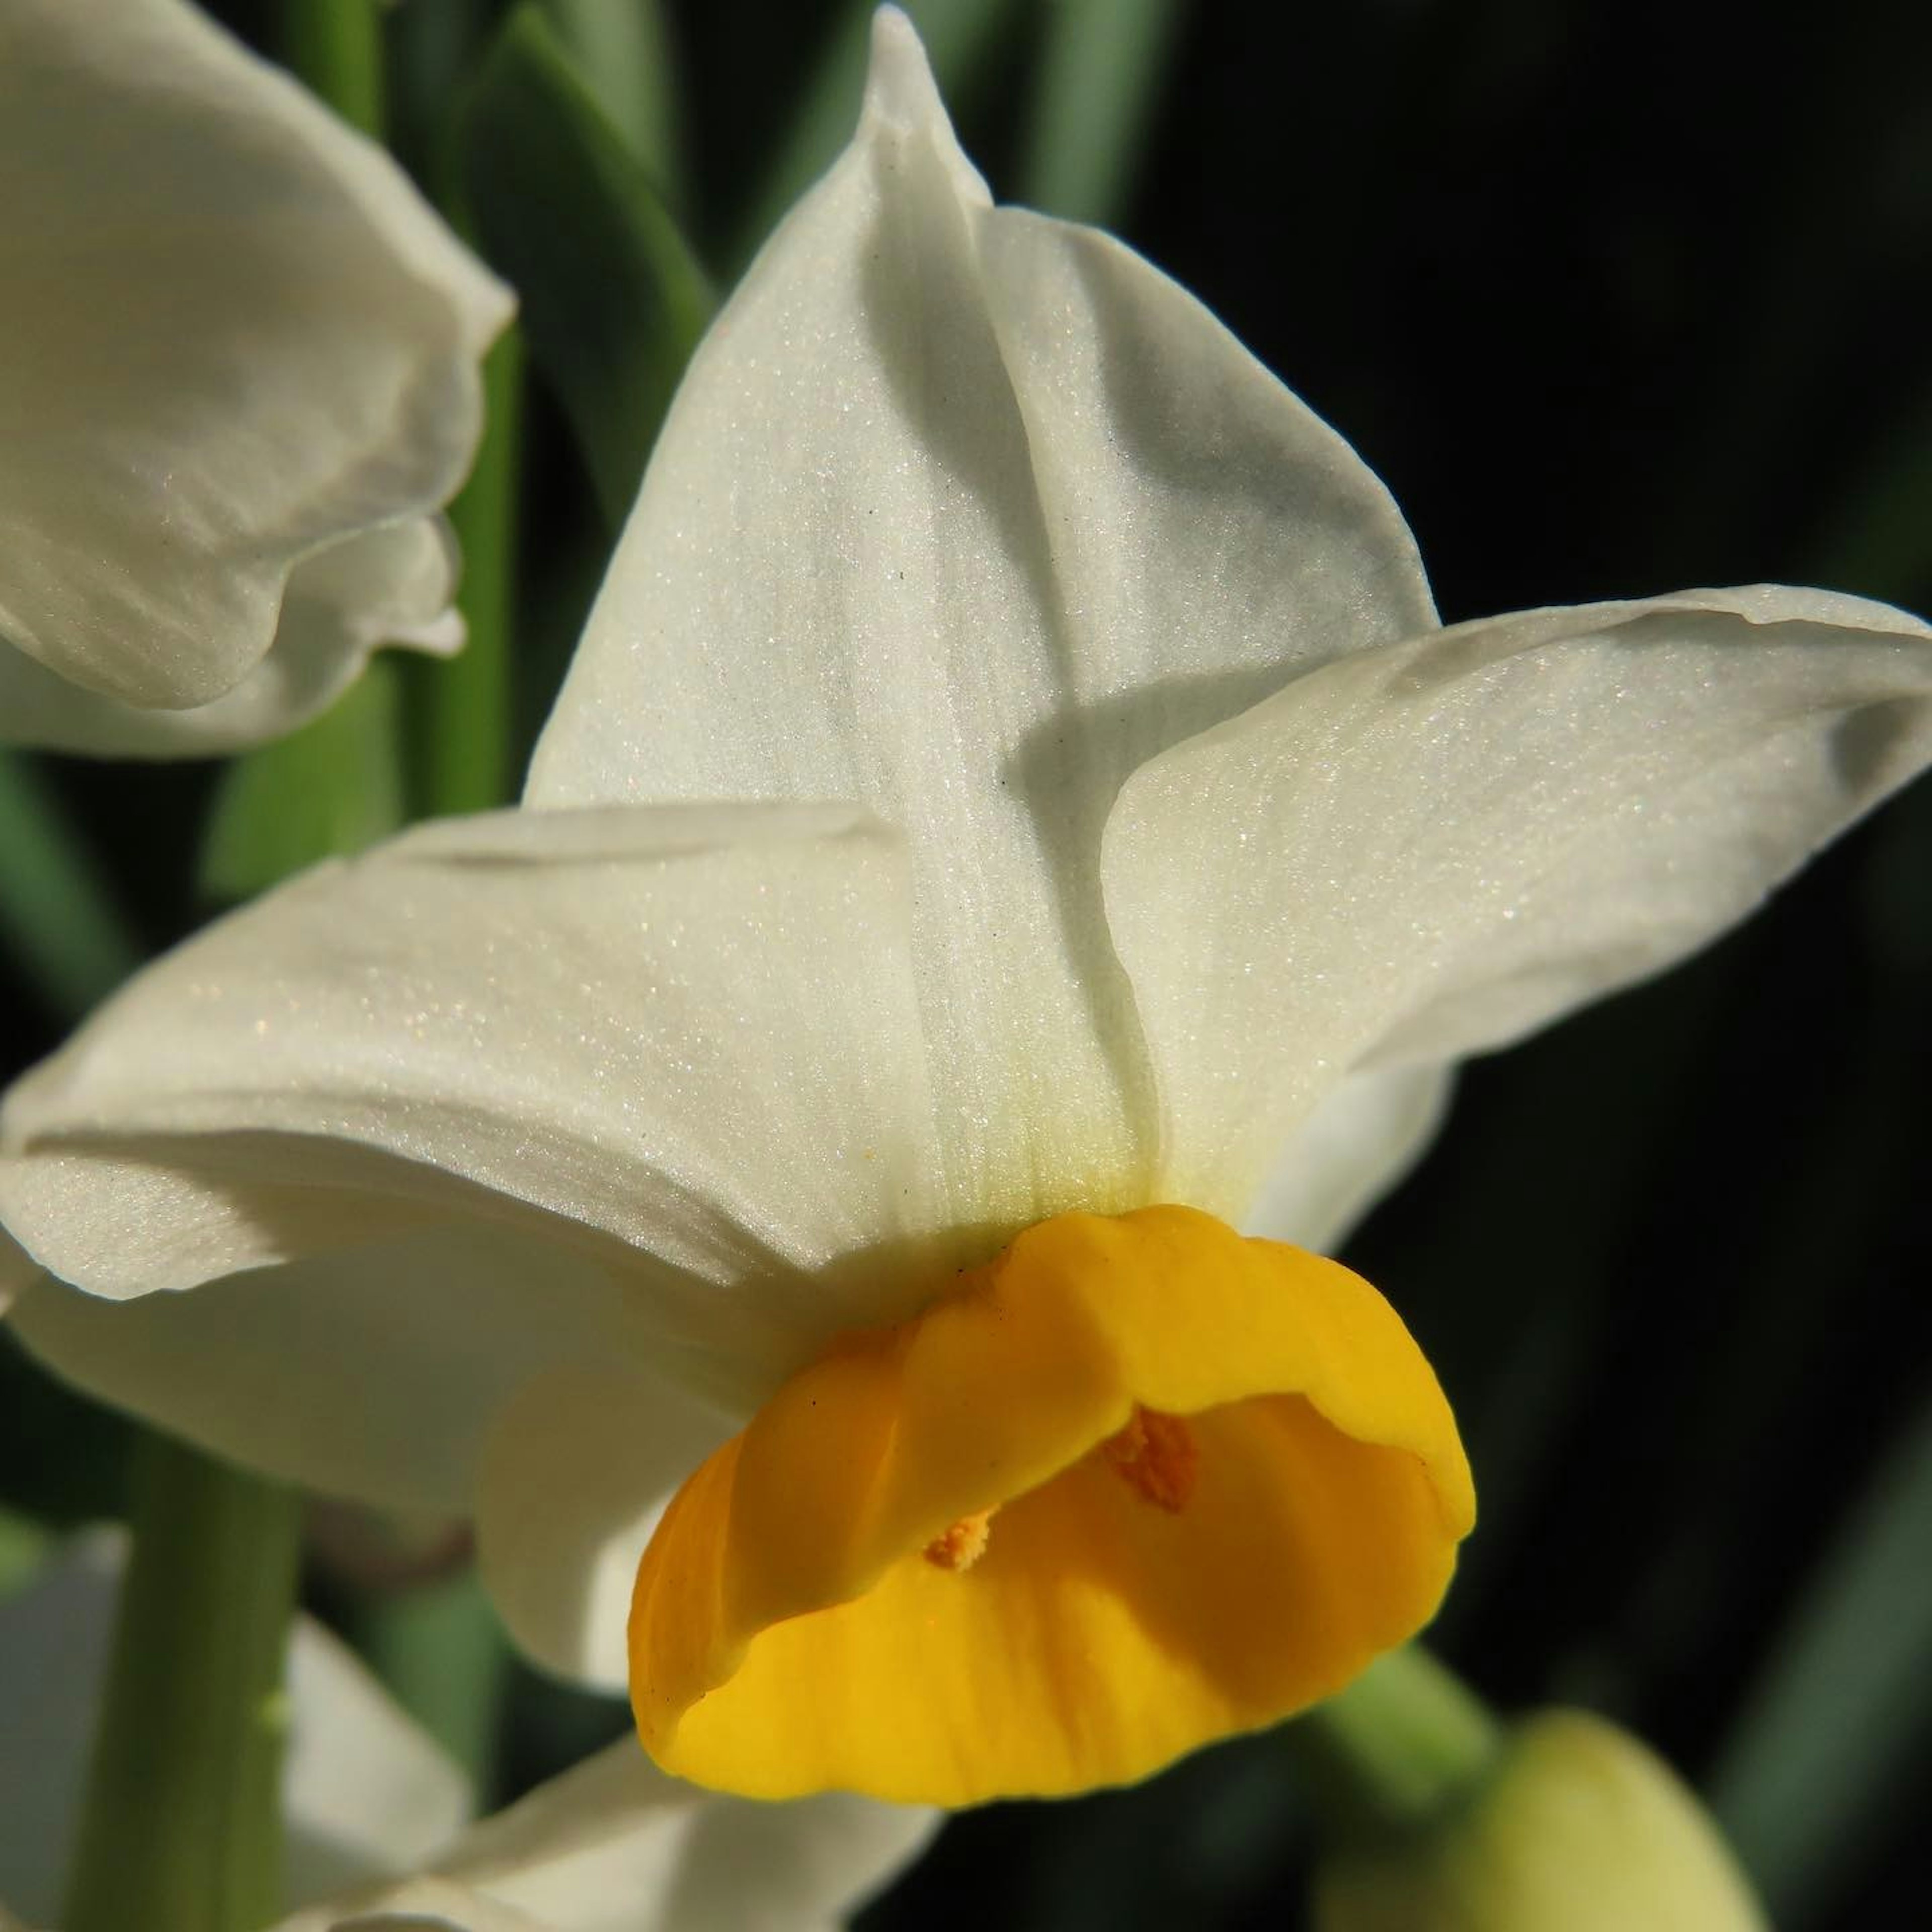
(1578, 1828)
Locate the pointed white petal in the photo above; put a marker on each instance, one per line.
(234, 336)
(964, 513)
(575, 1475)
(1361, 1140)
(391, 585)
(1428, 851)
(616, 1846)
(366, 1794)
(678, 1042)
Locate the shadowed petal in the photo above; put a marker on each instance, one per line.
(235, 337)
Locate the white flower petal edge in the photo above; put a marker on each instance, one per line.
(1359, 1143)
(685, 1033)
(964, 513)
(1430, 849)
(408, 1347)
(366, 1795)
(391, 586)
(615, 1846)
(235, 338)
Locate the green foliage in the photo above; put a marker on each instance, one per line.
(613, 299)
(58, 920)
(332, 788)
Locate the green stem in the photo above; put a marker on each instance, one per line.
(180, 1830)
(462, 706)
(336, 46)
(1405, 1740)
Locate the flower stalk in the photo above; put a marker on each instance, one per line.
(181, 1831)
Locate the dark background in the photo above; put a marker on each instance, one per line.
(1617, 298)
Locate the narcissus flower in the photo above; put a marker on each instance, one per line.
(239, 369)
(865, 1175)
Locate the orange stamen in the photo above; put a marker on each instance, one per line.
(963, 1544)
(1156, 1453)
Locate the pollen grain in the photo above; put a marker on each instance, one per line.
(1157, 1454)
(962, 1544)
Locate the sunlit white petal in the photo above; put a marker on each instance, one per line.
(963, 513)
(1430, 849)
(680, 1043)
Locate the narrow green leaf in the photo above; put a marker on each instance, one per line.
(57, 918)
(1819, 1760)
(613, 300)
(960, 35)
(336, 46)
(180, 1828)
(333, 787)
(1099, 75)
(1875, 542)
(442, 1652)
(24, 1547)
(623, 53)
(460, 708)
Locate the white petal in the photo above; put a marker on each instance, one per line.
(680, 1041)
(391, 585)
(234, 337)
(574, 1476)
(1429, 850)
(366, 1794)
(615, 1846)
(1361, 1140)
(964, 513)
(406, 1350)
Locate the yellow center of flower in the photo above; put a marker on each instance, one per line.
(1135, 1484)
